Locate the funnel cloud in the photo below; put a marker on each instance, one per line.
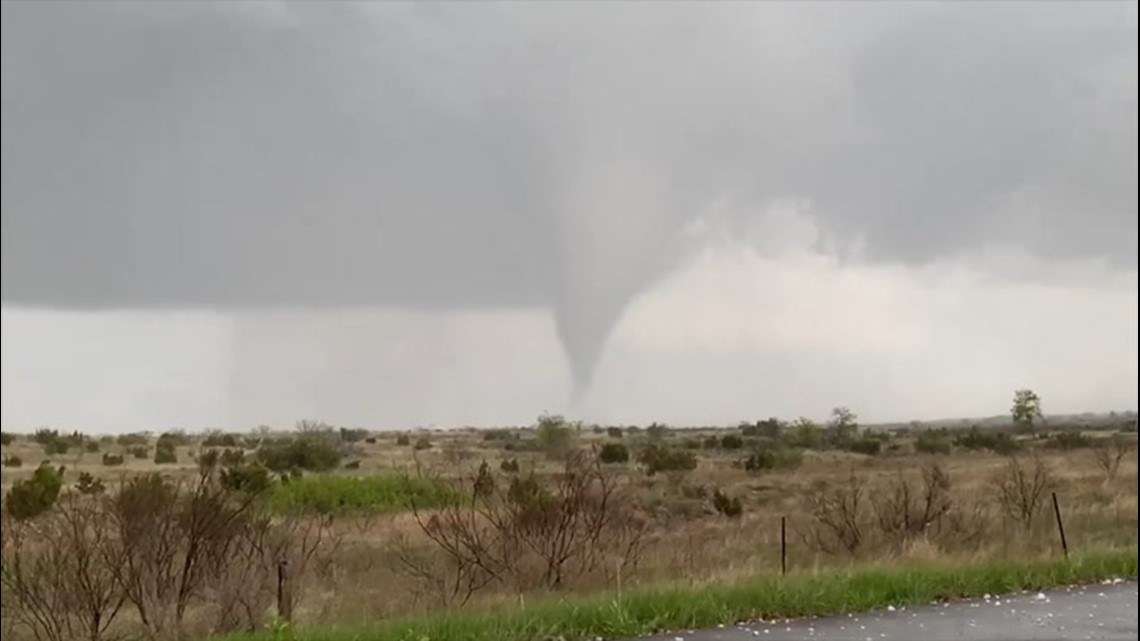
(261, 156)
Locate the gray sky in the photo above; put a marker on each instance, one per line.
(391, 215)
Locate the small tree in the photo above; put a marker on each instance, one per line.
(57, 572)
(905, 511)
(1026, 410)
(1021, 491)
(1109, 452)
(806, 434)
(843, 427)
(838, 516)
(554, 435)
(484, 485)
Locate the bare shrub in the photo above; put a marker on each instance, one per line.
(905, 510)
(837, 516)
(966, 524)
(175, 541)
(244, 592)
(57, 574)
(531, 533)
(1021, 491)
(1109, 452)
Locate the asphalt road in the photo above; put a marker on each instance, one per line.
(1105, 612)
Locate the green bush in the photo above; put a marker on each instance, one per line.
(176, 438)
(43, 436)
(998, 442)
(358, 495)
(804, 433)
(88, 484)
(933, 442)
(403, 439)
(34, 496)
(6, 438)
(1068, 441)
(660, 458)
(139, 452)
(726, 505)
(691, 444)
(773, 458)
(771, 428)
(352, 465)
(56, 447)
(352, 435)
(554, 434)
(13, 461)
(91, 446)
(112, 459)
(657, 431)
(250, 478)
(422, 443)
(220, 439)
(499, 435)
(731, 442)
(164, 453)
(613, 453)
(510, 465)
(711, 443)
(865, 444)
(313, 452)
(136, 438)
(232, 458)
(484, 485)
(614, 432)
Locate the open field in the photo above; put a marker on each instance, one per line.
(498, 532)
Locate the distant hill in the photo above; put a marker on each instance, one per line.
(1085, 419)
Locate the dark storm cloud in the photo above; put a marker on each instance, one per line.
(445, 156)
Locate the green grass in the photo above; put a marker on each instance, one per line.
(652, 610)
(344, 495)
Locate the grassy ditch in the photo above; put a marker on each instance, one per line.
(676, 608)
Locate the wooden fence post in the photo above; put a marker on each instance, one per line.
(284, 592)
(783, 545)
(1060, 525)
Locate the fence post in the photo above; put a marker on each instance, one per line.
(783, 545)
(1060, 525)
(284, 592)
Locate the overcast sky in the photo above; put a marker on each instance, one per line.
(390, 215)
